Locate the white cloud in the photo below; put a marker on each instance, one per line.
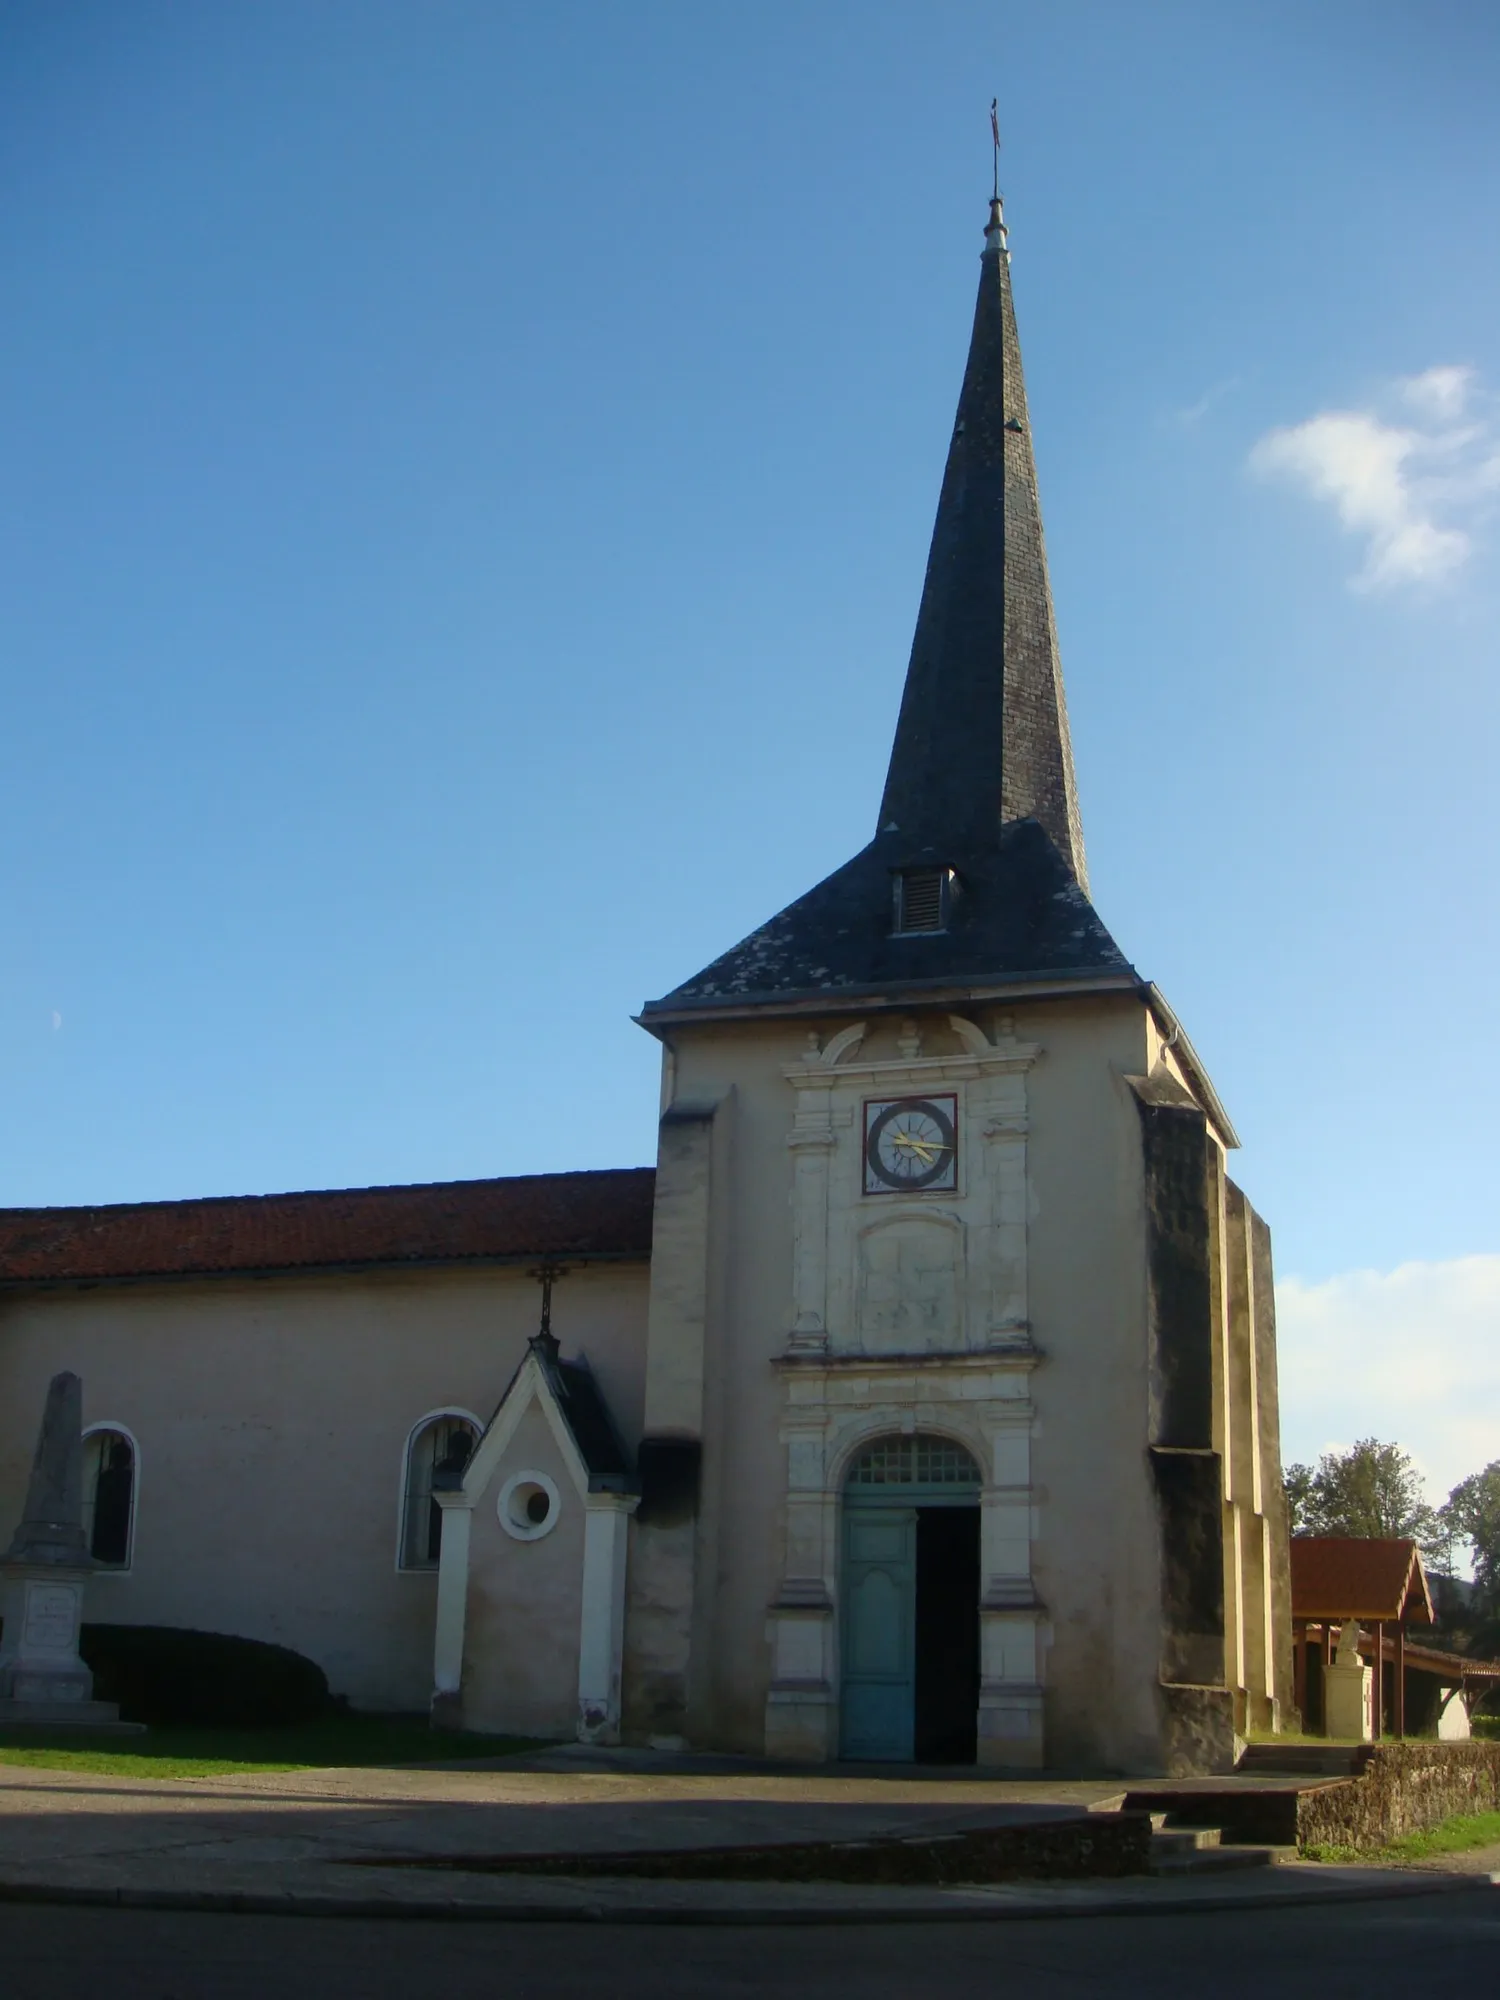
(1415, 490)
(1410, 1356)
(1438, 393)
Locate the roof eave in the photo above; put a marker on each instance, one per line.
(1177, 1036)
(887, 997)
(1366, 1616)
(359, 1268)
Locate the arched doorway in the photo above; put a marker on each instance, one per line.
(909, 1634)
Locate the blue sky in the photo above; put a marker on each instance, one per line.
(466, 480)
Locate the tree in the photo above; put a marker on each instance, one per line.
(1471, 1514)
(1298, 1480)
(1372, 1491)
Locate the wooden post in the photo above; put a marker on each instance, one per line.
(1378, 1717)
(1327, 1652)
(1400, 1696)
(1299, 1669)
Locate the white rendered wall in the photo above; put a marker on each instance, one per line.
(1091, 1513)
(272, 1417)
(525, 1602)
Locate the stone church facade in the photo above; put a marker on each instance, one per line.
(919, 1405)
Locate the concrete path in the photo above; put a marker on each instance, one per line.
(303, 1842)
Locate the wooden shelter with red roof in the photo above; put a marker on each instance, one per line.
(1383, 1587)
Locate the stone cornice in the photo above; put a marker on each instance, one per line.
(1055, 985)
(1014, 1357)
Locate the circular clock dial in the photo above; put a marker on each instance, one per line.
(911, 1144)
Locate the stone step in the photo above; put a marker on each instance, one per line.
(1170, 1839)
(1185, 1849)
(1259, 1814)
(1211, 1861)
(1324, 1760)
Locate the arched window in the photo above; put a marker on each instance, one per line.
(922, 1460)
(441, 1443)
(109, 1469)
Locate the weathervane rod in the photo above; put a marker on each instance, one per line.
(995, 135)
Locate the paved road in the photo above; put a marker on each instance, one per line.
(1360, 1951)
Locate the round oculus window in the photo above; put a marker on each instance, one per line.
(528, 1506)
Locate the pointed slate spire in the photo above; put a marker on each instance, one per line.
(983, 732)
(980, 787)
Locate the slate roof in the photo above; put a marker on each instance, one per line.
(581, 1403)
(1017, 914)
(575, 1215)
(983, 730)
(981, 772)
(1337, 1576)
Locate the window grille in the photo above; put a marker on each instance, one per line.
(914, 1461)
(442, 1445)
(108, 1496)
(922, 899)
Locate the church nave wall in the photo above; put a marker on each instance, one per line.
(272, 1418)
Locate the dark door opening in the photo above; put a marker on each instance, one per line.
(947, 1635)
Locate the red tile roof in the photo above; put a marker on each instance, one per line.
(1433, 1660)
(605, 1214)
(1335, 1576)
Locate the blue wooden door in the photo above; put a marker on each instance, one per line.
(879, 1632)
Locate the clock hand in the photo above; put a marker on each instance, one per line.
(928, 1148)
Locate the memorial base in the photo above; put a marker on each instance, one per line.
(101, 1717)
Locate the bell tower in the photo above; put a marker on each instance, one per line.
(942, 1381)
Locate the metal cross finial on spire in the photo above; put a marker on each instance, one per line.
(994, 229)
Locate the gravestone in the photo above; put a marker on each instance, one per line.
(42, 1577)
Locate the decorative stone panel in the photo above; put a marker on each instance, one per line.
(909, 1313)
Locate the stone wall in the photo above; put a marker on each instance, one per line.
(1094, 1844)
(1404, 1787)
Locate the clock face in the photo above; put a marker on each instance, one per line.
(911, 1145)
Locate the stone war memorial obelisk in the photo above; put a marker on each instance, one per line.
(43, 1681)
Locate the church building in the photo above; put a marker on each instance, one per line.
(918, 1406)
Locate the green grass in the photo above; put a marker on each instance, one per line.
(1451, 1836)
(344, 1741)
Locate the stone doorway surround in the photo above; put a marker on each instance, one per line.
(944, 1347)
